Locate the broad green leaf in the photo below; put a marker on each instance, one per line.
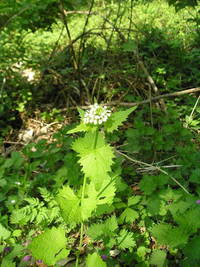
(116, 119)
(192, 250)
(158, 258)
(72, 210)
(195, 177)
(106, 229)
(50, 246)
(95, 162)
(149, 183)
(95, 260)
(106, 193)
(170, 236)
(4, 233)
(141, 253)
(156, 206)
(70, 205)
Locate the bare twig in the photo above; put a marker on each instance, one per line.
(132, 104)
(152, 83)
(155, 167)
(183, 92)
(65, 22)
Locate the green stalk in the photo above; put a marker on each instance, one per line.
(82, 197)
(82, 225)
(96, 138)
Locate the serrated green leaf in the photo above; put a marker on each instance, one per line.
(156, 206)
(81, 112)
(192, 250)
(73, 210)
(4, 233)
(95, 162)
(133, 200)
(110, 225)
(79, 128)
(116, 119)
(188, 220)
(106, 193)
(50, 246)
(195, 177)
(106, 229)
(149, 183)
(126, 240)
(95, 260)
(158, 258)
(17, 233)
(170, 236)
(128, 215)
(70, 205)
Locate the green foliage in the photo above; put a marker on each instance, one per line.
(170, 236)
(4, 233)
(125, 240)
(95, 260)
(38, 212)
(149, 184)
(106, 229)
(50, 246)
(117, 118)
(192, 249)
(158, 258)
(95, 161)
(8, 260)
(179, 4)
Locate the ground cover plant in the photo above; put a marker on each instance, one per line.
(99, 132)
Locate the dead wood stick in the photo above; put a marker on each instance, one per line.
(132, 104)
(148, 76)
(152, 83)
(183, 92)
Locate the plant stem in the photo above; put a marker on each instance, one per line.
(96, 138)
(82, 198)
(82, 225)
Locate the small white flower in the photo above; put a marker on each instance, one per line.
(97, 114)
(13, 201)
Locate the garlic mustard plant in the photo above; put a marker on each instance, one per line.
(96, 190)
(97, 114)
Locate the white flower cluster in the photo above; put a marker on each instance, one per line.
(97, 114)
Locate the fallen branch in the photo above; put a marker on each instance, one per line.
(183, 92)
(132, 104)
